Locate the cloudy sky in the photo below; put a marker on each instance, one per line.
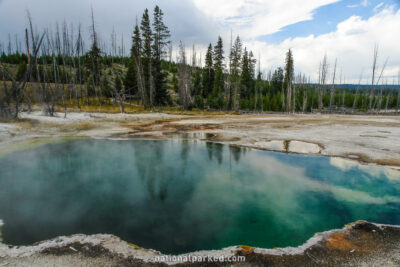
(343, 29)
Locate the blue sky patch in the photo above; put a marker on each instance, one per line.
(326, 19)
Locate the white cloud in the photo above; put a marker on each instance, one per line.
(254, 18)
(375, 171)
(185, 21)
(364, 3)
(378, 6)
(352, 44)
(200, 21)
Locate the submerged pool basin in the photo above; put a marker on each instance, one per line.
(180, 196)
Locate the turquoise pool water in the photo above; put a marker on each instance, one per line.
(180, 196)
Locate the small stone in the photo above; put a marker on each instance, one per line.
(352, 251)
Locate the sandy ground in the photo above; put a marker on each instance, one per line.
(370, 139)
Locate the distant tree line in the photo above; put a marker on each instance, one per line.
(58, 71)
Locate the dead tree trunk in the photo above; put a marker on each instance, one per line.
(323, 76)
(372, 90)
(332, 98)
(398, 93)
(184, 77)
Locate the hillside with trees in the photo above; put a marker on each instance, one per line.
(63, 70)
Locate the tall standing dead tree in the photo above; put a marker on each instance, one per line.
(398, 93)
(378, 103)
(11, 98)
(332, 98)
(372, 90)
(184, 78)
(323, 72)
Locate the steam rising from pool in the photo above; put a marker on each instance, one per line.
(180, 196)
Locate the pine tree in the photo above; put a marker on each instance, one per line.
(93, 62)
(136, 56)
(160, 42)
(246, 79)
(208, 73)
(277, 80)
(136, 42)
(250, 82)
(288, 81)
(146, 56)
(131, 78)
(252, 65)
(197, 87)
(219, 54)
(219, 68)
(258, 89)
(236, 57)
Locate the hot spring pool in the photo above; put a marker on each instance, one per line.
(181, 196)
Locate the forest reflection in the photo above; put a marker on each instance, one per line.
(185, 195)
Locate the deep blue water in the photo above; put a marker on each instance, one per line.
(179, 196)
